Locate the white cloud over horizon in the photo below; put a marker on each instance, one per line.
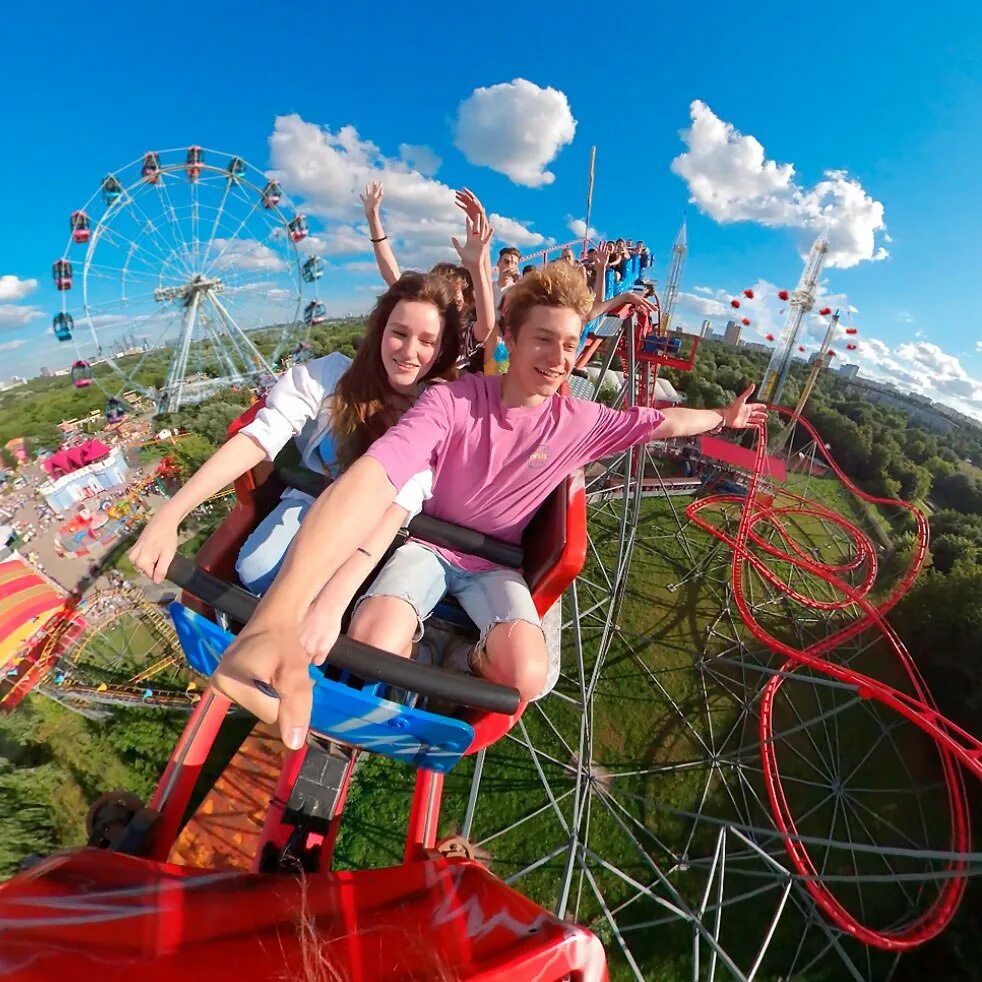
(515, 128)
(17, 315)
(730, 179)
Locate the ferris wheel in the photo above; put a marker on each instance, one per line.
(185, 273)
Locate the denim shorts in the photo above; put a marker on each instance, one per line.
(421, 577)
(263, 552)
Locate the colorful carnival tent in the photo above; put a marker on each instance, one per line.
(65, 461)
(26, 603)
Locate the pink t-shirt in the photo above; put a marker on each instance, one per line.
(492, 465)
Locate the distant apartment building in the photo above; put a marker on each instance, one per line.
(848, 371)
(731, 333)
(707, 329)
(920, 409)
(755, 346)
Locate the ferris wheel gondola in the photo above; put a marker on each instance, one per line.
(191, 279)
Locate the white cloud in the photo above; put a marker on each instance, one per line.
(978, 345)
(731, 180)
(14, 288)
(13, 345)
(420, 158)
(515, 128)
(15, 315)
(343, 240)
(516, 233)
(329, 170)
(361, 266)
(708, 290)
(247, 254)
(701, 306)
(930, 357)
(578, 227)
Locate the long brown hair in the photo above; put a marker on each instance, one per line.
(365, 405)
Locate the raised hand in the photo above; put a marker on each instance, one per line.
(478, 240)
(741, 414)
(371, 198)
(636, 300)
(604, 251)
(467, 201)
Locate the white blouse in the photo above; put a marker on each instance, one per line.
(295, 407)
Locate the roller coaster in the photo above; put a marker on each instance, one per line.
(740, 774)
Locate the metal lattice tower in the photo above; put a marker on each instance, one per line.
(674, 275)
(802, 300)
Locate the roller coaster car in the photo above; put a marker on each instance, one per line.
(552, 554)
(354, 705)
(93, 915)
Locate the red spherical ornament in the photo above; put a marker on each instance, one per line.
(782, 294)
(851, 347)
(825, 311)
(801, 347)
(734, 304)
(852, 330)
(831, 353)
(746, 322)
(770, 337)
(749, 294)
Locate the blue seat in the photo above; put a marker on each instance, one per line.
(345, 709)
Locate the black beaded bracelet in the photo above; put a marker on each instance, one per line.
(384, 237)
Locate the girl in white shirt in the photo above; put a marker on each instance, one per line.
(334, 408)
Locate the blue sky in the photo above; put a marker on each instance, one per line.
(891, 98)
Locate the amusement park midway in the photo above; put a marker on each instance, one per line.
(513, 523)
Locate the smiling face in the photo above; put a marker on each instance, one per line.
(542, 354)
(410, 343)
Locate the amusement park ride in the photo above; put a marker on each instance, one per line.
(194, 251)
(790, 803)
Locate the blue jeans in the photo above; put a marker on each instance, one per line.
(262, 554)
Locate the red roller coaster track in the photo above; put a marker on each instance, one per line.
(954, 745)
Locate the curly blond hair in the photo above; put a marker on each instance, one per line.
(555, 285)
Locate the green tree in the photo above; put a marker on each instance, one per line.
(190, 452)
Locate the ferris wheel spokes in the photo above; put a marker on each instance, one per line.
(240, 337)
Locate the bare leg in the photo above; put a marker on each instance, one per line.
(514, 653)
(385, 622)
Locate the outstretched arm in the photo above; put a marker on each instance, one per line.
(631, 299)
(739, 414)
(268, 649)
(321, 625)
(475, 258)
(155, 548)
(384, 256)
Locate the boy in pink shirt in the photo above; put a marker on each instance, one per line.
(497, 447)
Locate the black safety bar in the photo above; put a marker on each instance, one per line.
(368, 663)
(425, 527)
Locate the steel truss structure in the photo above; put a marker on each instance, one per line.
(741, 773)
(114, 649)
